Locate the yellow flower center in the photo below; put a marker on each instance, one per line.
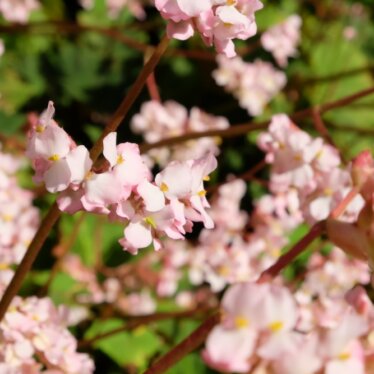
(276, 326)
(164, 187)
(39, 128)
(344, 356)
(241, 322)
(206, 178)
(328, 191)
(54, 158)
(7, 217)
(150, 221)
(202, 193)
(120, 159)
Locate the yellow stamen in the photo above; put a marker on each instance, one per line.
(54, 158)
(202, 193)
(241, 322)
(39, 129)
(89, 175)
(276, 326)
(230, 2)
(120, 159)
(164, 187)
(4, 266)
(7, 217)
(344, 356)
(328, 191)
(150, 221)
(206, 178)
(223, 270)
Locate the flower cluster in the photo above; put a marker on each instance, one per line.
(262, 326)
(310, 166)
(158, 121)
(217, 21)
(282, 39)
(253, 84)
(18, 218)
(18, 10)
(34, 339)
(168, 206)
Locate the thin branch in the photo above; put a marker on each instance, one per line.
(186, 346)
(114, 33)
(316, 230)
(247, 176)
(337, 76)
(241, 129)
(295, 251)
(135, 322)
(54, 213)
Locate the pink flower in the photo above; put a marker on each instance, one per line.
(253, 84)
(282, 39)
(217, 21)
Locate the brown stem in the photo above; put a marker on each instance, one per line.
(143, 320)
(248, 127)
(337, 76)
(344, 203)
(313, 233)
(112, 32)
(186, 346)
(153, 89)
(247, 176)
(29, 258)
(54, 213)
(288, 257)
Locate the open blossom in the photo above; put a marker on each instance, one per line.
(158, 121)
(18, 10)
(167, 206)
(282, 39)
(252, 84)
(57, 160)
(250, 311)
(217, 21)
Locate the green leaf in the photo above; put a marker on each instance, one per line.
(125, 348)
(62, 288)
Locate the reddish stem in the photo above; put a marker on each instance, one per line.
(295, 251)
(186, 346)
(153, 89)
(248, 127)
(143, 320)
(299, 247)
